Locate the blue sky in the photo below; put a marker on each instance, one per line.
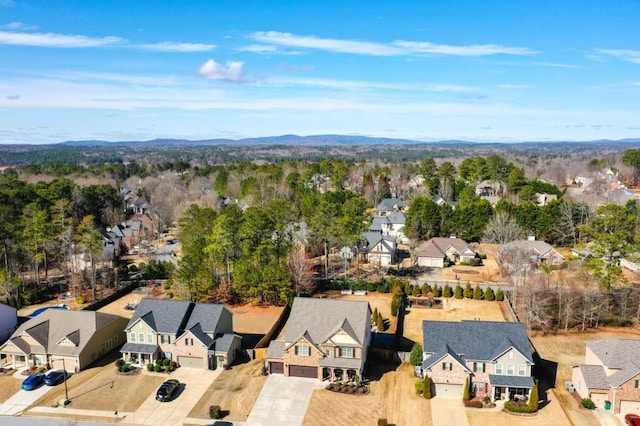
(475, 70)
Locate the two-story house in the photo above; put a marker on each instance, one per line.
(611, 372)
(496, 357)
(198, 335)
(327, 339)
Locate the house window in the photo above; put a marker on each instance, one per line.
(164, 338)
(303, 350)
(346, 352)
(327, 352)
(132, 337)
(149, 337)
(478, 367)
(522, 370)
(108, 344)
(498, 368)
(447, 366)
(637, 384)
(510, 370)
(188, 341)
(141, 337)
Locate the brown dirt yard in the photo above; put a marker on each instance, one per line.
(392, 397)
(235, 391)
(254, 318)
(100, 388)
(567, 349)
(8, 386)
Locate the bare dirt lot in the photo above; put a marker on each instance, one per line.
(392, 397)
(254, 319)
(235, 391)
(117, 307)
(100, 388)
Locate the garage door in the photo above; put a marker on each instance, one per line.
(430, 262)
(276, 367)
(69, 363)
(599, 399)
(303, 371)
(630, 407)
(191, 362)
(444, 390)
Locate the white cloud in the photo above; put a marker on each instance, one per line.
(231, 72)
(258, 48)
(169, 46)
(472, 50)
(368, 85)
(397, 48)
(624, 54)
(512, 86)
(554, 65)
(18, 26)
(55, 40)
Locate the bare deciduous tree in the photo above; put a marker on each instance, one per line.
(502, 228)
(299, 268)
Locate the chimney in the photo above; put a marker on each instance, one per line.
(452, 235)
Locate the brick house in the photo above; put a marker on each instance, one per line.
(326, 339)
(496, 357)
(610, 373)
(434, 252)
(197, 335)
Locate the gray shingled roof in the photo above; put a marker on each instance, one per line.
(207, 315)
(387, 204)
(223, 343)
(373, 238)
(376, 223)
(594, 376)
(397, 217)
(321, 318)
(473, 340)
(436, 247)
(164, 316)
(620, 354)
(540, 247)
(511, 381)
(139, 348)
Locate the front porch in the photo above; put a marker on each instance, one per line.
(334, 374)
(510, 387)
(140, 355)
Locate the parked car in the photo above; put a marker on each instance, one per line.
(632, 419)
(33, 382)
(54, 378)
(166, 390)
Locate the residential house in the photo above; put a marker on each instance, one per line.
(544, 198)
(529, 253)
(389, 205)
(496, 358)
(379, 249)
(64, 338)
(488, 188)
(611, 372)
(8, 321)
(198, 335)
(391, 225)
(327, 339)
(434, 252)
(111, 250)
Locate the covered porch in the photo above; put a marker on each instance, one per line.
(510, 387)
(341, 369)
(140, 354)
(15, 361)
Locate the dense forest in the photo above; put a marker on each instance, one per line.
(254, 229)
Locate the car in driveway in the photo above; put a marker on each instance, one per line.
(166, 390)
(54, 378)
(632, 419)
(33, 382)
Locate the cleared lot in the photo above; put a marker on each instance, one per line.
(235, 391)
(8, 386)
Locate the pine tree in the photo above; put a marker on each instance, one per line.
(465, 392)
(437, 291)
(374, 317)
(446, 291)
(477, 293)
(489, 295)
(380, 323)
(415, 357)
(457, 293)
(468, 292)
(415, 290)
(499, 295)
(427, 387)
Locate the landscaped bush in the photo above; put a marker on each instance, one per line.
(173, 365)
(119, 362)
(588, 403)
(472, 403)
(519, 407)
(214, 411)
(476, 261)
(80, 300)
(157, 368)
(499, 295)
(419, 385)
(446, 291)
(166, 362)
(150, 367)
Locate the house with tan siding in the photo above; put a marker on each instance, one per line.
(197, 335)
(326, 339)
(610, 373)
(496, 358)
(64, 338)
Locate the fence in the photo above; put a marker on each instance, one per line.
(275, 330)
(128, 288)
(507, 303)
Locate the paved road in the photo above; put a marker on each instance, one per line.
(21, 400)
(194, 383)
(445, 412)
(283, 401)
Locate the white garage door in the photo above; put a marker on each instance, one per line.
(630, 407)
(69, 364)
(599, 399)
(447, 390)
(430, 262)
(191, 362)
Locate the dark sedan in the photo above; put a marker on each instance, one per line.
(166, 390)
(54, 378)
(33, 382)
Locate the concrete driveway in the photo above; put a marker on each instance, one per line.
(283, 401)
(194, 383)
(448, 412)
(21, 400)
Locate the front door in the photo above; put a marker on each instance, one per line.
(497, 394)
